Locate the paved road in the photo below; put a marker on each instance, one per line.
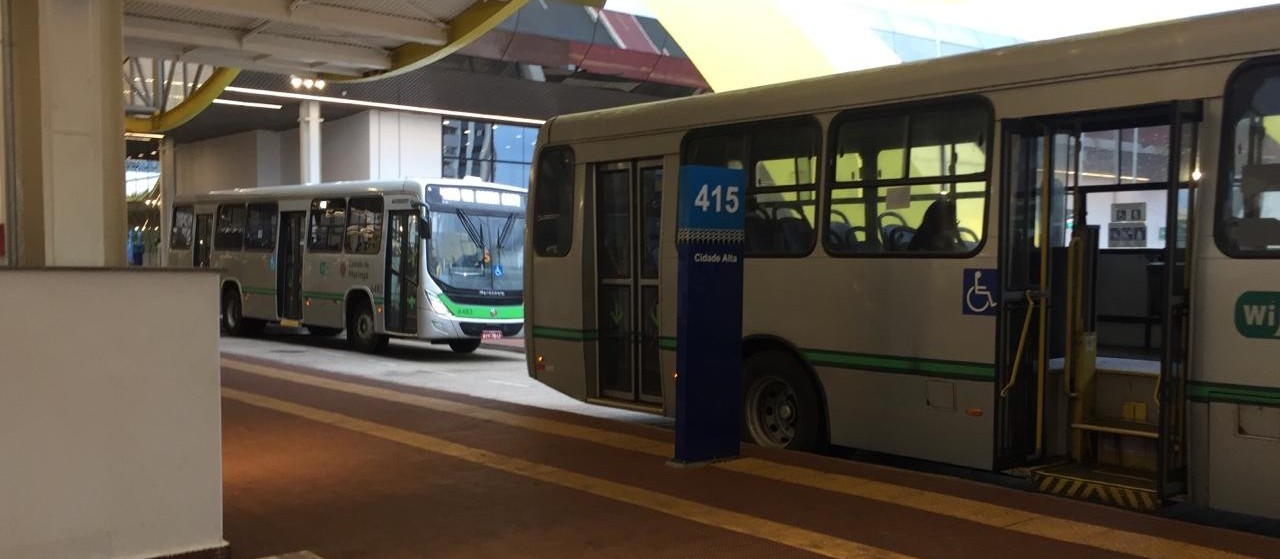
(487, 373)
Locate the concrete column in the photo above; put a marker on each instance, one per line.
(168, 189)
(68, 129)
(309, 137)
(7, 183)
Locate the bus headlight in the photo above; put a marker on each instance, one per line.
(437, 306)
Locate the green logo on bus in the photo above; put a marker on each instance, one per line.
(1256, 314)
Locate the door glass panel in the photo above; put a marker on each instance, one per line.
(615, 338)
(650, 375)
(614, 216)
(394, 262)
(204, 240)
(289, 281)
(412, 256)
(650, 220)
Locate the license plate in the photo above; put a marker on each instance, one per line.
(491, 335)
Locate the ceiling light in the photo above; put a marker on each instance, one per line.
(376, 105)
(295, 81)
(248, 104)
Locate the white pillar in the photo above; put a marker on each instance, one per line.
(69, 127)
(168, 189)
(309, 135)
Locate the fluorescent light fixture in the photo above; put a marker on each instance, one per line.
(143, 136)
(389, 106)
(248, 104)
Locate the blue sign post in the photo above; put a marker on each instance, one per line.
(709, 313)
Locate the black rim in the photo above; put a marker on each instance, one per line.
(772, 412)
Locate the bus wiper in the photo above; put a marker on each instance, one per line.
(506, 231)
(477, 236)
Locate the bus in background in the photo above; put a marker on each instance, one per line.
(439, 260)
(1055, 258)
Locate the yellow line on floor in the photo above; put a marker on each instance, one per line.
(784, 534)
(1069, 531)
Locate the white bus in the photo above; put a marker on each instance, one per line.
(917, 284)
(439, 260)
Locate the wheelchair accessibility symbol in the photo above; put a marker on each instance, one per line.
(981, 291)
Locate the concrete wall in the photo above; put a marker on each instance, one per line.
(344, 148)
(234, 161)
(363, 146)
(110, 418)
(404, 145)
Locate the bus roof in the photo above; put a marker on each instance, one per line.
(342, 188)
(1199, 40)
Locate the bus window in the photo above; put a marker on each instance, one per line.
(781, 193)
(1249, 200)
(230, 228)
(261, 227)
(328, 222)
(914, 183)
(364, 225)
(553, 202)
(184, 223)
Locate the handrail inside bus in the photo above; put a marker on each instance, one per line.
(1022, 342)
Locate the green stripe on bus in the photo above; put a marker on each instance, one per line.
(906, 365)
(339, 297)
(1233, 394)
(482, 311)
(565, 334)
(257, 290)
(886, 363)
(323, 295)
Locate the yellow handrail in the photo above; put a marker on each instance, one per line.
(1022, 342)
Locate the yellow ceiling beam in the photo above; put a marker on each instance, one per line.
(468, 26)
(741, 43)
(199, 99)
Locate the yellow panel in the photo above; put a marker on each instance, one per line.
(741, 43)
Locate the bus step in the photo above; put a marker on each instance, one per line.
(1108, 485)
(1119, 427)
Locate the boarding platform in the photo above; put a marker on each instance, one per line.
(337, 466)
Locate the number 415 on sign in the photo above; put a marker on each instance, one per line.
(723, 198)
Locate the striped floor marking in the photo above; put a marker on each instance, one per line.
(1068, 531)
(792, 536)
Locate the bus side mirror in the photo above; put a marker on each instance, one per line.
(424, 219)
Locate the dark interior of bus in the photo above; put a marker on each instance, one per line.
(1092, 330)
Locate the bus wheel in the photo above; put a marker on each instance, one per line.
(362, 332)
(464, 346)
(780, 408)
(232, 317)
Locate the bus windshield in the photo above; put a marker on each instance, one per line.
(477, 250)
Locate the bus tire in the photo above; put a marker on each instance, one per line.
(780, 406)
(362, 329)
(232, 317)
(464, 346)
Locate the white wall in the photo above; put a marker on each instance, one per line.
(290, 164)
(363, 146)
(404, 145)
(225, 162)
(110, 418)
(344, 148)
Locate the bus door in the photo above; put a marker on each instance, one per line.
(628, 199)
(204, 241)
(289, 265)
(1096, 233)
(404, 249)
